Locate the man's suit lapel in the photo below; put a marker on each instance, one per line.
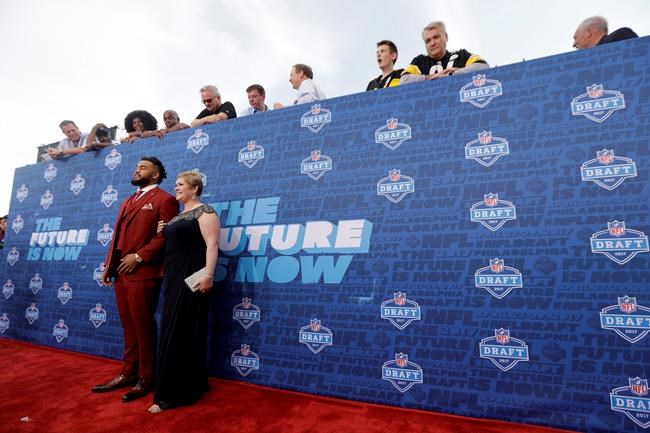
(136, 206)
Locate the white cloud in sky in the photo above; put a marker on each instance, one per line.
(96, 61)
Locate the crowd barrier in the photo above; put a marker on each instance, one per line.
(476, 245)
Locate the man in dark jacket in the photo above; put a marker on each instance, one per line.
(593, 31)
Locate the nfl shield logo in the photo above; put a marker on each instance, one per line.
(50, 173)
(77, 184)
(97, 274)
(401, 372)
(13, 256)
(31, 314)
(400, 298)
(246, 313)
(47, 199)
(17, 224)
(64, 293)
(639, 386)
(112, 159)
(616, 228)
(595, 91)
(315, 109)
(627, 304)
(392, 123)
(8, 289)
(315, 155)
(22, 193)
(394, 175)
(97, 316)
(502, 335)
(4, 323)
(479, 80)
(491, 199)
(597, 104)
(315, 325)
(496, 265)
(605, 156)
(198, 141)
(250, 145)
(60, 331)
(245, 360)
(485, 137)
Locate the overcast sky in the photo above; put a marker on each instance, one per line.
(93, 61)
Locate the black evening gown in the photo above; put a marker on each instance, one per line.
(181, 371)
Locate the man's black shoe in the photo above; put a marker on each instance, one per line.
(117, 382)
(141, 389)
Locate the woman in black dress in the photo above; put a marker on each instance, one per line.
(191, 245)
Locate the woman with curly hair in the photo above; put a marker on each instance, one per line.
(139, 124)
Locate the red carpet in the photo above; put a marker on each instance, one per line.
(52, 388)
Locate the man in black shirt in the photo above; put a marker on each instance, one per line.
(214, 111)
(386, 58)
(593, 31)
(439, 62)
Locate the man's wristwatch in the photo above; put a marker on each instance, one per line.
(138, 258)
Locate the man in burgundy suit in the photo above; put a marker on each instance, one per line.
(134, 261)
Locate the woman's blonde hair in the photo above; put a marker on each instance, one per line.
(193, 178)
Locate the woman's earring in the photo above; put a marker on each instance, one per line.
(194, 196)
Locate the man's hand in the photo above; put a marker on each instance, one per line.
(54, 153)
(127, 264)
(441, 74)
(198, 122)
(106, 279)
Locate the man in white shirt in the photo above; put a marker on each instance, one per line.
(256, 96)
(75, 141)
(301, 79)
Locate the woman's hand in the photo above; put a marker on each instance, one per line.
(161, 226)
(205, 284)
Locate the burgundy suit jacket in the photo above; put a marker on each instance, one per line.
(139, 221)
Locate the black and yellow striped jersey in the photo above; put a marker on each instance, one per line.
(425, 65)
(390, 80)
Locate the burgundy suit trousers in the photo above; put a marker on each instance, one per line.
(136, 303)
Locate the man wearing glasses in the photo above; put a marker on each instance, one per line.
(214, 110)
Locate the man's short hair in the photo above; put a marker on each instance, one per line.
(5, 217)
(257, 87)
(305, 70)
(210, 88)
(597, 22)
(391, 47)
(435, 25)
(193, 179)
(158, 163)
(67, 122)
(174, 113)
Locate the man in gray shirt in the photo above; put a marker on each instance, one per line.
(75, 141)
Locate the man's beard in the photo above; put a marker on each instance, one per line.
(140, 182)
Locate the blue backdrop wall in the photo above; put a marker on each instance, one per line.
(473, 245)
